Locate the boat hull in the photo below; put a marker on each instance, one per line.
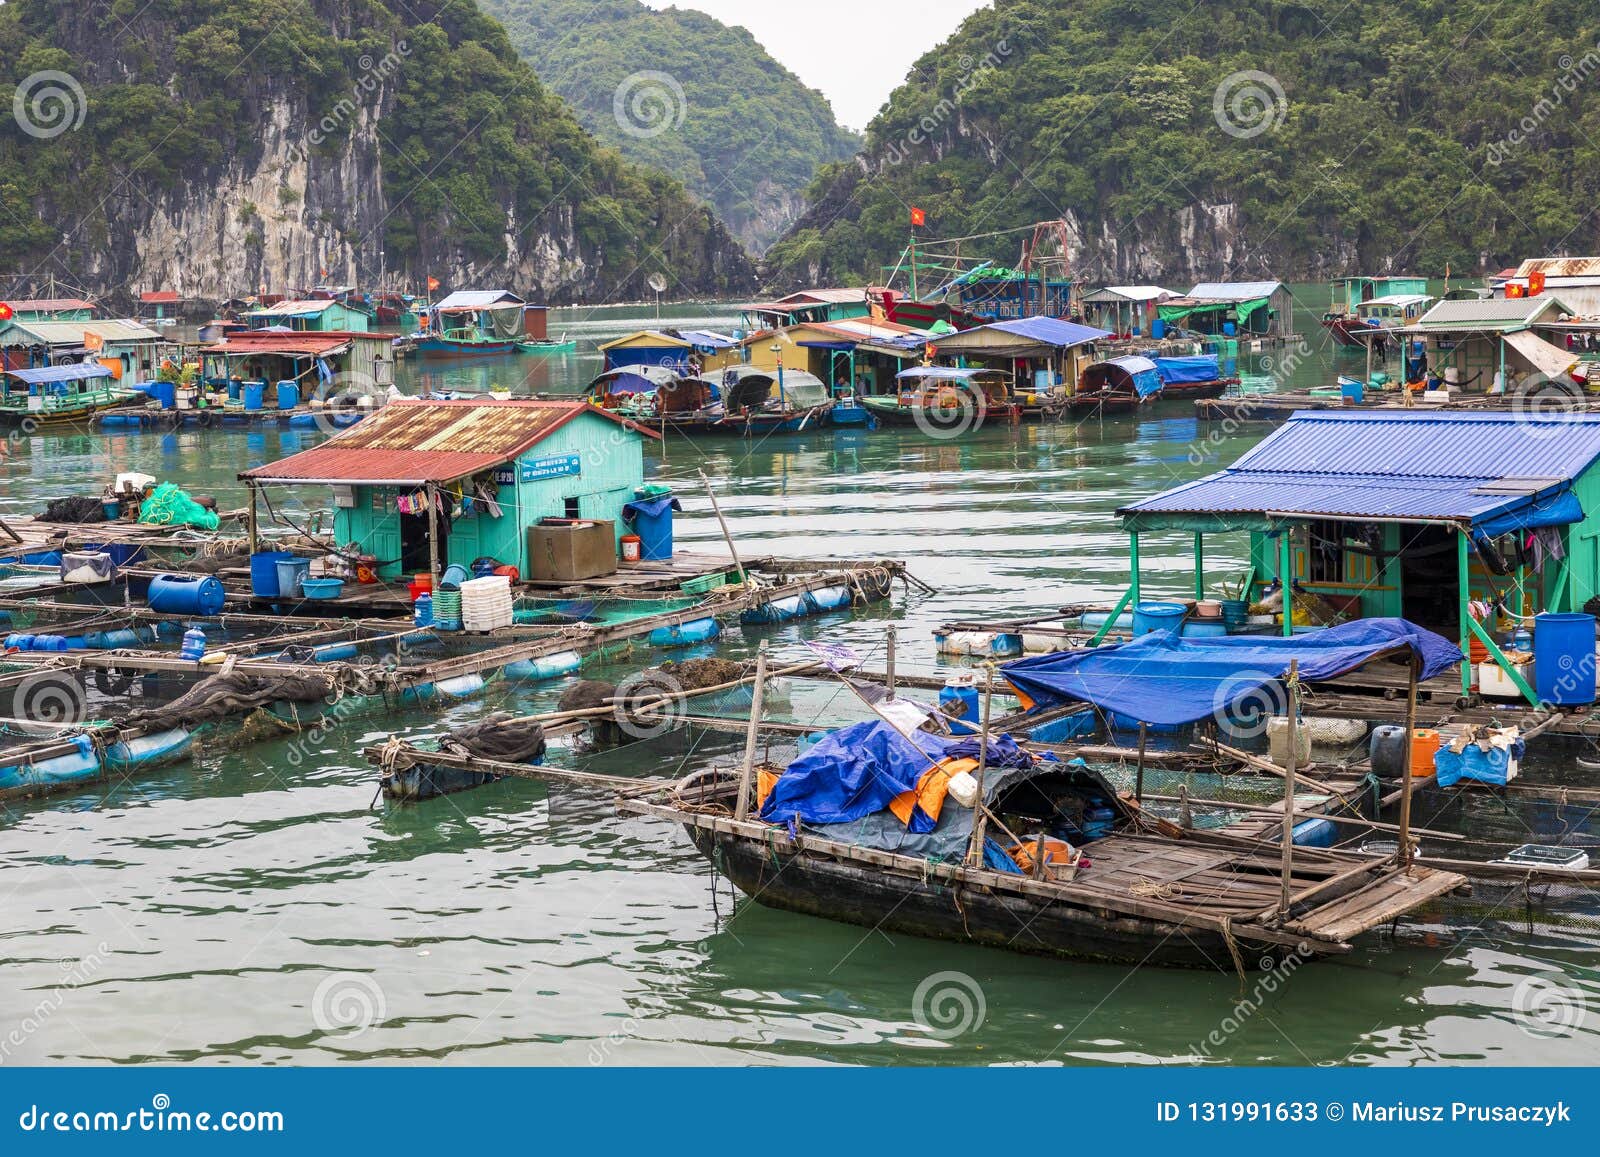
(438, 347)
(935, 910)
(547, 347)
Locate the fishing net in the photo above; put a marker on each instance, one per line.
(239, 693)
(74, 509)
(168, 505)
(500, 737)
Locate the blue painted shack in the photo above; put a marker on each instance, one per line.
(1404, 514)
(421, 485)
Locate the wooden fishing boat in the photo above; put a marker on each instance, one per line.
(1344, 321)
(1144, 897)
(548, 346)
(462, 342)
(1116, 386)
(759, 401)
(1191, 378)
(59, 395)
(945, 399)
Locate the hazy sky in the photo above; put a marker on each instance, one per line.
(856, 51)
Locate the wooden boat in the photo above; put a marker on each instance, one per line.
(549, 346)
(1116, 386)
(462, 342)
(758, 401)
(1344, 321)
(1145, 897)
(944, 399)
(1189, 378)
(59, 395)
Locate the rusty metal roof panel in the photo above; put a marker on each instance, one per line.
(1560, 267)
(411, 441)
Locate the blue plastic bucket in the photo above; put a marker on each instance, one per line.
(264, 572)
(1563, 659)
(1235, 613)
(185, 594)
(454, 575)
(288, 395)
(1156, 616)
(255, 394)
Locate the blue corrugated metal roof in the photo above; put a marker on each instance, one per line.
(1050, 330)
(78, 372)
(1449, 466)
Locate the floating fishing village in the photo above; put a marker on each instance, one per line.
(608, 533)
(1196, 771)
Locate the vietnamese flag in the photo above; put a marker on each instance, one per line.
(433, 283)
(918, 218)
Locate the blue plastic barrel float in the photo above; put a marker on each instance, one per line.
(185, 594)
(544, 667)
(288, 395)
(255, 394)
(685, 634)
(829, 599)
(1563, 659)
(147, 750)
(166, 393)
(1158, 616)
(79, 764)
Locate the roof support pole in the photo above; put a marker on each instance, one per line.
(1199, 567)
(432, 492)
(254, 529)
(1286, 577)
(1464, 596)
(1133, 565)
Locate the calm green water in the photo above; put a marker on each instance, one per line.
(250, 906)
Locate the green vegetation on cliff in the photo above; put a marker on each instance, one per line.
(1432, 133)
(687, 94)
(161, 96)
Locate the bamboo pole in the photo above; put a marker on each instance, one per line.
(980, 812)
(727, 535)
(888, 659)
(747, 774)
(1405, 788)
(1292, 684)
(1138, 782)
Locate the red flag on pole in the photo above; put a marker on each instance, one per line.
(433, 283)
(918, 218)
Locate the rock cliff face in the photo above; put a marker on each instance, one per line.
(382, 144)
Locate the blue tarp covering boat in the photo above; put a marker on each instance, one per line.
(78, 372)
(1164, 678)
(1178, 371)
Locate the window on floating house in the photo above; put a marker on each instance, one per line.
(1325, 555)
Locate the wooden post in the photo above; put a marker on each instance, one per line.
(980, 811)
(727, 535)
(432, 493)
(1199, 567)
(888, 659)
(747, 774)
(1405, 788)
(1138, 781)
(1288, 784)
(254, 529)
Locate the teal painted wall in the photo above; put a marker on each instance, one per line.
(611, 465)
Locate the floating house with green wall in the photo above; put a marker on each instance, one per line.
(1252, 308)
(327, 316)
(51, 309)
(493, 469)
(1405, 514)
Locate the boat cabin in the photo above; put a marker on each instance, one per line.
(1346, 294)
(130, 351)
(1133, 378)
(1230, 308)
(60, 392)
(423, 485)
(320, 315)
(1422, 516)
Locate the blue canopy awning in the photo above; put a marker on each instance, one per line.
(943, 373)
(1163, 678)
(77, 372)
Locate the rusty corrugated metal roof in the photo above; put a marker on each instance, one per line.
(412, 442)
(1560, 267)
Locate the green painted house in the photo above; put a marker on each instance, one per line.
(422, 485)
(1405, 514)
(318, 315)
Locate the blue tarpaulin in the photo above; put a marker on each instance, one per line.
(1203, 368)
(857, 770)
(81, 371)
(1163, 678)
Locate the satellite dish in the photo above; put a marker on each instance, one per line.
(657, 283)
